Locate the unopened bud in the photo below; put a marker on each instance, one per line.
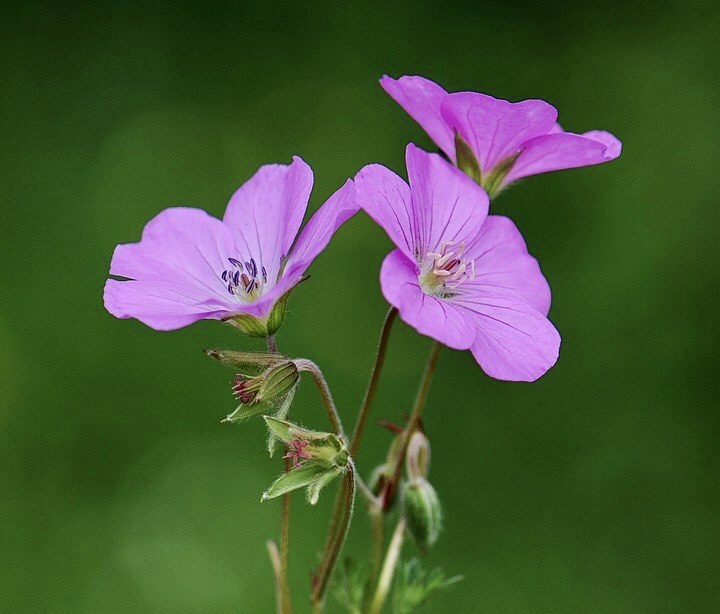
(422, 511)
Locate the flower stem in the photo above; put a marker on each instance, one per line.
(341, 526)
(413, 423)
(274, 555)
(374, 380)
(304, 364)
(285, 547)
(377, 520)
(283, 588)
(388, 569)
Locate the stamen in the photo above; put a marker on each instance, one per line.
(250, 282)
(444, 270)
(441, 261)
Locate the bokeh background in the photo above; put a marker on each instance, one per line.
(593, 491)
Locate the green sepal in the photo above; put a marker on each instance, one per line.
(243, 412)
(493, 181)
(301, 477)
(277, 315)
(466, 160)
(311, 474)
(313, 491)
(280, 414)
(250, 325)
(272, 388)
(278, 380)
(254, 362)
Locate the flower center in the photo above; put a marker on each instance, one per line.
(442, 272)
(297, 451)
(244, 280)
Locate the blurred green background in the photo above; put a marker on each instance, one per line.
(593, 491)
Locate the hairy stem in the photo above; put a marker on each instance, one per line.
(374, 380)
(304, 364)
(321, 579)
(274, 554)
(283, 588)
(414, 422)
(377, 520)
(388, 569)
(285, 547)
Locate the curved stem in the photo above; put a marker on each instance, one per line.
(303, 364)
(374, 380)
(334, 545)
(388, 569)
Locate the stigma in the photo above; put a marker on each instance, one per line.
(442, 272)
(244, 279)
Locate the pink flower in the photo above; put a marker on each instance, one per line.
(458, 275)
(191, 266)
(502, 141)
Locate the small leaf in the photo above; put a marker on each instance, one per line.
(414, 586)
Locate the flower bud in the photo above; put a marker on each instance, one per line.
(422, 511)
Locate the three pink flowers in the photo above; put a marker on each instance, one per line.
(457, 274)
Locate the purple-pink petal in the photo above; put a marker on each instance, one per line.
(429, 315)
(421, 99)
(317, 233)
(502, 263)
(563, 150)
(175, 271)
(611, 142)
(493, 128)
(514, 342)
(386, 198)
(448, 205)
(266, 212)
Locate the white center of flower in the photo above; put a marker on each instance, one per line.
(244, 280)
(442, 272)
